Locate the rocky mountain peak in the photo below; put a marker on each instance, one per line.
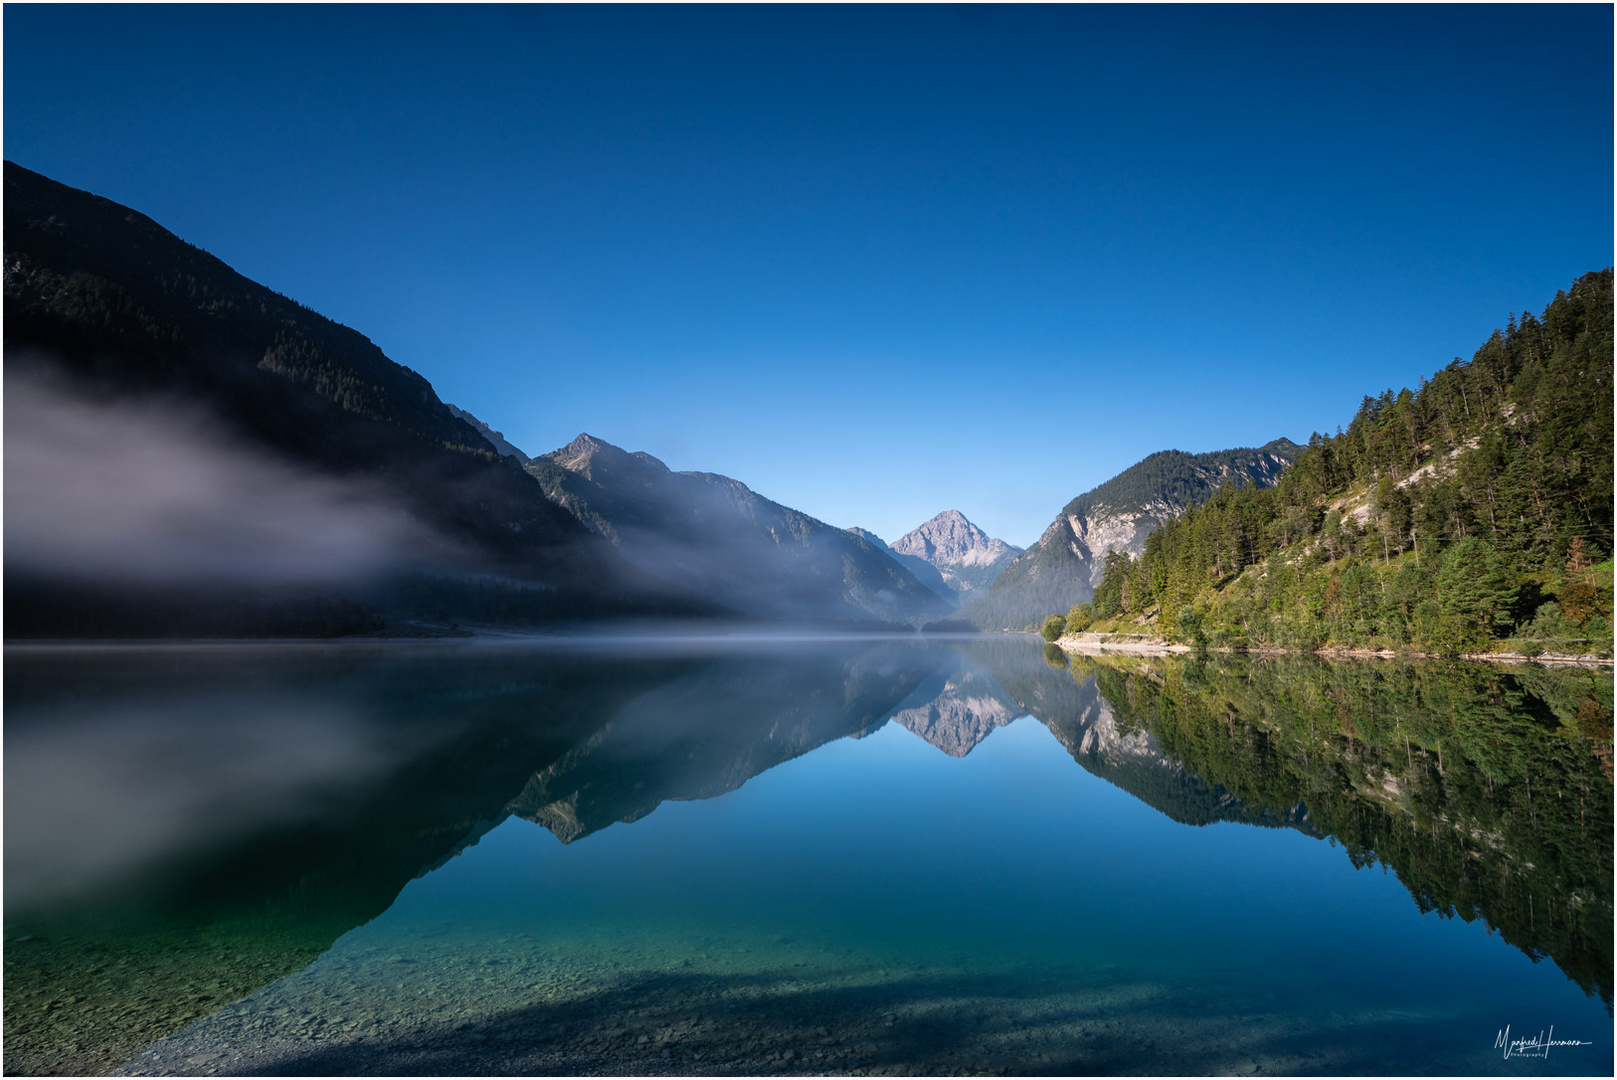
(713, 536)
(966, 557)
(1066, 563)
(589, 455)
(950, 539)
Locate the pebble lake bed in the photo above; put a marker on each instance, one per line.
(609, 1019)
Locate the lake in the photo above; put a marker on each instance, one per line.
(801, 855)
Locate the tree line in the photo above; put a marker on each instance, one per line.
(1472, 510)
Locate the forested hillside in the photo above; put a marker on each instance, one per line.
(1066, 563)
(1473, 511)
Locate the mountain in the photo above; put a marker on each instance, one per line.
(1128, 756)
(967, 558)
(197, 928)
(1471, 514)
(1400, 764)
(495, 439)
(1064, 566)
(992, 681)
(717, 538)
(924, 572)
(189, 452)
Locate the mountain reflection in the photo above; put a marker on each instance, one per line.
(175, 841)
(715, 727)
(957, 708)
(241, 808)
(1427, 768)
(1068, 701)
(1486, 790)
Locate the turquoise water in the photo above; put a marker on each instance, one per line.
(802, 883)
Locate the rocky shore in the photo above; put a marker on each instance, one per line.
(1150, 645)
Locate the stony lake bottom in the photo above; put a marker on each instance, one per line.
(868, 855)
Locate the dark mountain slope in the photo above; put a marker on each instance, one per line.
(714, 729)
(718, 538)
(495, 439)
(103, 301)
(1066, 563)
(924, 572)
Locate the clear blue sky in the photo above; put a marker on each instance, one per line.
(874, 262)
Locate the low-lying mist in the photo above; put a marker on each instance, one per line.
(153, 492)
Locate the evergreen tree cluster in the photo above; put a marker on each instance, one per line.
(1178, 479)
(1474, 509)
(1055, 571)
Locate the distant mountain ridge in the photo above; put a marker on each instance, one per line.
(1069, 559)
(715, 536)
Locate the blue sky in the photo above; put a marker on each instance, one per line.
(874, 262)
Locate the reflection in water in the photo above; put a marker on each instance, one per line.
(956, 709)
(1488, 791)
(1427, 768)
(185, 825)
(713, 728)
(170, 844)
(265, 801)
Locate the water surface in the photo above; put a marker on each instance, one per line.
(807, 856)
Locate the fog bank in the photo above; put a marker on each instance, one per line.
(152, 492)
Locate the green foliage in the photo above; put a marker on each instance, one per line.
(1440, 519)
(1052, 575)
(1080, 617)
(1180, 479)
(1053, 627)
(1190, 625)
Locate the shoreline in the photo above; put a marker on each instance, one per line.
(1088, 644)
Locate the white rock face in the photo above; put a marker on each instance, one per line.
(1104, 529)
(967, 557)
(1102, 738)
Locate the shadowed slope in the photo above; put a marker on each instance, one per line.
(104, 306)
(718, 538)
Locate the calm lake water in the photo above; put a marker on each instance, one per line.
(855, 855)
